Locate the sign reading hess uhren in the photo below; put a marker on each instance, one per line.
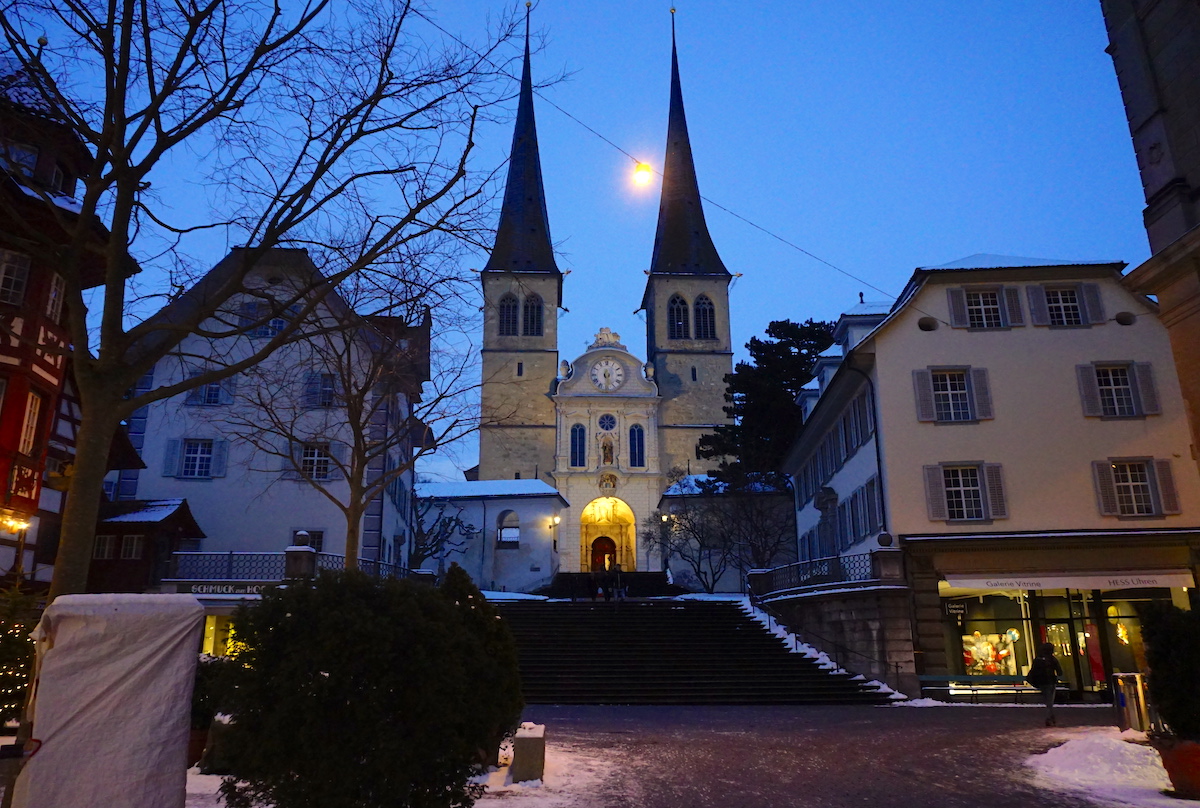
(1078, 580)
(222, 588)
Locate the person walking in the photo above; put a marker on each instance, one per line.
(1043, 674)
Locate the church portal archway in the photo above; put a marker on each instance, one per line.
(612, 520)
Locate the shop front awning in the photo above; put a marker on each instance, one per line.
(1088, 579)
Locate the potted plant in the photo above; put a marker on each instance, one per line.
(1173, 652)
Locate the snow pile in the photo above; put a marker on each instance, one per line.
(1108, 766)
(493, 596)
(989, 704)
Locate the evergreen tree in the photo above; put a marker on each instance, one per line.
(762, 399)
(357, 692)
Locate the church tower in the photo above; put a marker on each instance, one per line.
(686, 303)
(522, 292)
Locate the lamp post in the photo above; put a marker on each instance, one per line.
(554, 523)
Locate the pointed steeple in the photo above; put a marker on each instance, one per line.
(682, 244)
(523, 236)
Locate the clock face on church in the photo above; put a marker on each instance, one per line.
(608, 374)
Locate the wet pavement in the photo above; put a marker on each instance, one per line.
(776, 757)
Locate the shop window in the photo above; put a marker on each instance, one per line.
(1133, 487)
(133, 547)
(965, 492)
(952, 395)
(985, 308)
(1117, 389)
(677, 318)
(531, 316)
(1066, 305)
(508, 530)
(508, 313)
(706, 318)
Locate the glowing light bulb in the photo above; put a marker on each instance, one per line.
(642, 174)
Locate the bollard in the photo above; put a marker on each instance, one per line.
(529, 753)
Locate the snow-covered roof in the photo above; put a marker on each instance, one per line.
(868, 308)
(486, 488)
(690, 485)
(67, 203)
(153, 510)
(990, 261)
(833, 350)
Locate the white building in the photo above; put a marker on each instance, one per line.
(1015, 427)
(266, 456)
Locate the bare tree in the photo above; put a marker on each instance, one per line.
(342, 128)
(757, 514)
(439, 531)
(692, 530)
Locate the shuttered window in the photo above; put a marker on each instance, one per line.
(983, 308)
(1117, 389)
(1133, 487)
(952, 395)
(1066, 305)
(965, 492)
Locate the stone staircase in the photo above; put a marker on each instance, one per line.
(664, 652)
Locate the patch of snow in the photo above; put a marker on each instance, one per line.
(869, 307)
(501, 596)
(67, 203)
(485, 488)
(1107, 766)
(926, 702)
(155, 510)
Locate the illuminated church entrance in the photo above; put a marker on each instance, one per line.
(608, 536)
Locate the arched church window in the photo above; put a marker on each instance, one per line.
(607, 455)
(677, 318)
(637, 446)
(706, 318)
(532, 316)
(578, 446)
(508, 315)
(508, 528)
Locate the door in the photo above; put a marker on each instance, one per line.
(604, 554)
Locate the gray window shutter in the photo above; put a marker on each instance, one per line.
(1089, 390)
(1039, 312)
(981, 393)
(923, 387)
(1106, 488)
(993, 476)
(957, 301)
(194, 395)
(219, 451)
(171, 459)
(873, 505)
(1168, 497)
(291, 463)
(1012, 305)
(312, 391)
(340, 452)
(1147, 392)
(228, 389)
(1093, 303)
(935, 493)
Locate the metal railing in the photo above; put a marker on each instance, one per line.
(838, 569)
(232, 566)
(242, 566)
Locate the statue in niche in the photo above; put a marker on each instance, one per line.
(606, 452)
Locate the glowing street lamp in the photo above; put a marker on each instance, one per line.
(642, 174)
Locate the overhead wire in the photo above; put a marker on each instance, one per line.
(710, 201)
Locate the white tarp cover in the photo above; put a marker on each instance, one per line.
(113, 701)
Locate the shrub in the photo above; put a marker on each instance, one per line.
(355, 692)
(18, 617)
(1173, 653)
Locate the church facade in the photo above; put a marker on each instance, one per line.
(605, 428)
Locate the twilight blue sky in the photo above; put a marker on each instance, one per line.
(878, 136)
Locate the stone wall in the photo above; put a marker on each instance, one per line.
(868, 631)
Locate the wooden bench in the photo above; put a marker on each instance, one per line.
(1014, 686)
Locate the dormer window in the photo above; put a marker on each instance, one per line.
(19, 158)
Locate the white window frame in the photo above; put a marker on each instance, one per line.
(104, 547)
(1063, 312)
(964, 493)
(951, 395)
(1118, 389)
(14, 277)
(983, 313)
(1135, 487)
(133, 548)
(949, 500)
(29, 427)
(192, 452)
(316, 461)
(54, 301)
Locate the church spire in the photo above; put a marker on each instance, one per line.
(523, 236)
(682, 244)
